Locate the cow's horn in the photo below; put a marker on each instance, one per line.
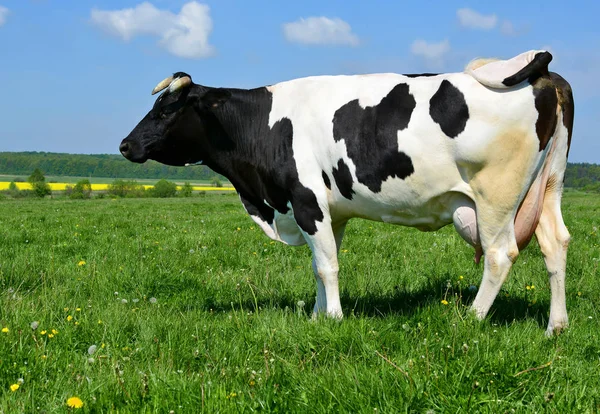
(162, 85)
(179, 83)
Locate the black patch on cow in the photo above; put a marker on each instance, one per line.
(449, 110)
(565, 100)
(343, 179)
(326, 179)
(546, 102)
(261, 210)
(418, 75)
(371, 136)
(258, 160)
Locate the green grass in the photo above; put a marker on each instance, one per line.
(228, 332)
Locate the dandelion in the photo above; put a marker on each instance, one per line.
(153, 300)
(461, 277)
(238, 229)
(124, 301)
(444, 302)
(54, 331)
(74, 402)
(99, 321)
(77, 309)
(50, 336)
(69, 318)
(81, 263)
(14, 387)
(34, 325)
(5, 330)
(20, 381)
(43, 332)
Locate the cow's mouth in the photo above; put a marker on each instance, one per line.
(133, 152)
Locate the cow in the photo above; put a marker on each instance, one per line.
(485, 149)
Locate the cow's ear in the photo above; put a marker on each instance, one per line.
(214, 98)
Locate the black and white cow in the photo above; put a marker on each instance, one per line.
(485, 149)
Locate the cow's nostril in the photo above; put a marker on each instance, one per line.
(124, 148)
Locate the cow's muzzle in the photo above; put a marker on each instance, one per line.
(133, 151)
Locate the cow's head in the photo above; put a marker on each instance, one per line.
(177, 130)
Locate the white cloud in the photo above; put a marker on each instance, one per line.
(432, 52)
(320, 31)
(3, 15)
(507, 28)
(184, 34)
(471, 19)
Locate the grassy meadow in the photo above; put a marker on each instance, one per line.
(184, 305)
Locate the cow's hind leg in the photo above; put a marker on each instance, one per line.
(497, 233)
(553, 238)
(498, 259)
(325, 245)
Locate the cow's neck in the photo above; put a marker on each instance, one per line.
(252, 155)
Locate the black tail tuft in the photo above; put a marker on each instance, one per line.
(538, 66)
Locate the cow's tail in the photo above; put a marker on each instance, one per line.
(549, 181)
(502, 74)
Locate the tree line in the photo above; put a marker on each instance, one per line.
(95, 165)
(578, 175)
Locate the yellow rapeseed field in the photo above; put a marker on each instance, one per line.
(102, 187)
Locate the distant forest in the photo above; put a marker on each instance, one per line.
(97, 165)
(581, 175)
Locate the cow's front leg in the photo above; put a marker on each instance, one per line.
(325, 244)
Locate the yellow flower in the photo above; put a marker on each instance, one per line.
(14, 387)
(532, 286)
(444, 302)
(76, 322)
(69, 318)
(50, 336)
(528, 287)
(66, 309)
(99, 321)
(81, 263)
(74, 402)
(44, 357)
(238, 229)
(461, 277)
(43, 333)
(77, 309)
(5, 330)
(54, 331)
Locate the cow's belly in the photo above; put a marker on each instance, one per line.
(424, 214)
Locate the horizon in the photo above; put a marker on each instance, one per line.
(79, 77)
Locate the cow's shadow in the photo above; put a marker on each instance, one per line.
(405, 303)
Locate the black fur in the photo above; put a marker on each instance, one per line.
(448, 108)
(371, 136)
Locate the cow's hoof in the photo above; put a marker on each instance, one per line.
(478, 313)
(556, 328)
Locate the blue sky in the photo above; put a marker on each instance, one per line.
(77, 75)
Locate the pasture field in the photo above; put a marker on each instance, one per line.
(184, 305)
